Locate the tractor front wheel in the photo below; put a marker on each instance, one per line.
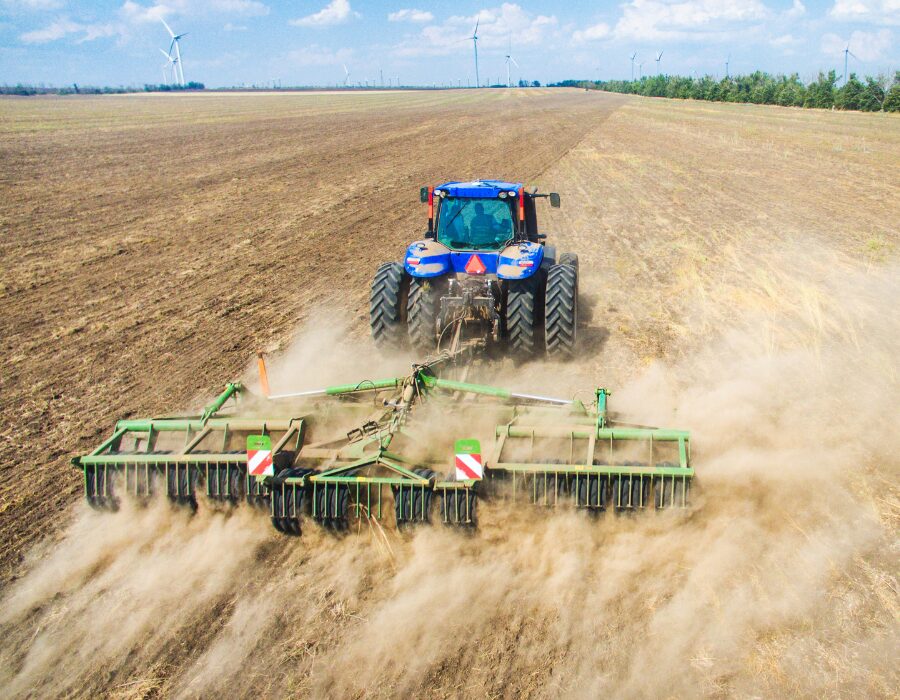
(387, 305)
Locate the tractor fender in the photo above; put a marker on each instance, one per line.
(520, 260)
(550, 256)
(427, 258)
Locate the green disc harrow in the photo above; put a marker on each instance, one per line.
(373, 449)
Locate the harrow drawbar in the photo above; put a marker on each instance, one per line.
(372, 450)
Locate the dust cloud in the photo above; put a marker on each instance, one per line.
(780, 580)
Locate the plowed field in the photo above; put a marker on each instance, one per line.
(739, 278)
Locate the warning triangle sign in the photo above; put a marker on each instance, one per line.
(475, 266)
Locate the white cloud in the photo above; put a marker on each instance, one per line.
(592, 33)
(135, 12)
(784, 41)
(229, 27)
(246, 8)
(687, 20)
(798, 9)
(866, 46)
(64, 27)
(410, 15)
(315, 55)
(495, 27)
(335, 12)
(870, 11)
(52, 32)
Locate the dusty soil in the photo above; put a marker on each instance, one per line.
(739, 278)
(151, 246)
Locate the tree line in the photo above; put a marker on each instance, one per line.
(76, 89)
(867, 95)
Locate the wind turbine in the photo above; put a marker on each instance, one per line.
(727, 61)
(509, 59)
(176, 45)
(474, 39)
(346, 76)
(658, 57)
(641, 70)
(847, 52)
(170, 63)
(632, 65)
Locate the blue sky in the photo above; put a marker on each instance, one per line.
(233, 42)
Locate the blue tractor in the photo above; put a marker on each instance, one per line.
(482, 272)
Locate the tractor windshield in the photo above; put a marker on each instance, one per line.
(475, 224)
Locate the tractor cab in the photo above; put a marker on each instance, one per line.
(481, 273)
(482, 215)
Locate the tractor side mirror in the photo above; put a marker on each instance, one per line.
(423, 195)
(554, 200)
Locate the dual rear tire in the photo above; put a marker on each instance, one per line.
(556, 307)
(404, 309)
(387, 306)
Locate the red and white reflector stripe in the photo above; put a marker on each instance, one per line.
(468, 466)
(259, 463)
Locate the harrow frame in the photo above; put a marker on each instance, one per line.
(347, 475)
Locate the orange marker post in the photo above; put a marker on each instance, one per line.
(263, 376)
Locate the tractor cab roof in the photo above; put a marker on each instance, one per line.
(478, 189)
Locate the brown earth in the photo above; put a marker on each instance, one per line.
(151, 245)
(739, 278)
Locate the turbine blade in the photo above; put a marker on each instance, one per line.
(514, 62)
(853, 54)
(165, 54)
(477, 20)
(168, 28)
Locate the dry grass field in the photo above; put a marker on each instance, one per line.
(740, 278)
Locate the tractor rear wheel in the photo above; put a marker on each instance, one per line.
(421, 313)
(522, 315)
(387, 305)
(561, 310)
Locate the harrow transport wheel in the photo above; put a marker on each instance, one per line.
(403, 505)
(421, 314)
(619, 493)
(421, 498)
(333, 506)
(237, 482)
(561, 311)
(570, 259)
(549, 489)
(522, 315)
(588, 495)
(594, 492)
(342, 508)
(640, 492)
(387, 305)
(99, 488)
(458, 507)
(287, 502)
(181, 483)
